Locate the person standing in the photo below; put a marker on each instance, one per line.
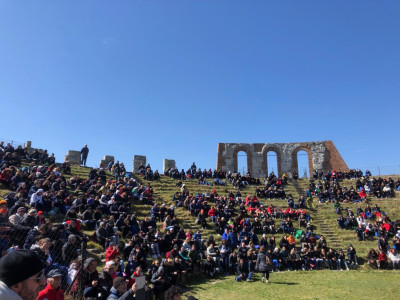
(264, 264)
(21, 275)
(52, 291)
(84, 155)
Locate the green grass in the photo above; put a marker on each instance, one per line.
(367, 284)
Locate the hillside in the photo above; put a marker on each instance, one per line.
(323, 219)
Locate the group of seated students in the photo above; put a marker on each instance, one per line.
(13, 156)
(329, 189)
(148, 173)
(39, 194)
(205, 177)
(195, 173)
(240, 181)
(340, 175)
(240, 241)
(369, 224)
(385, 257)
(273, 187)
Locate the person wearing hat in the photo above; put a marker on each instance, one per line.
(40, 218)
(108, 274)
(102, 234)
(3, 203)
(70, 250)
(173, 253)
(16, 219)
(119, 290)
(3, 207)
(52, 291)
(21, 275)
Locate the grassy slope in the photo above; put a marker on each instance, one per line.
(305, 285)
(316, 285)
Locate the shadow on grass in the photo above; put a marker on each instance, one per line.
(285, 283)
(193, 283)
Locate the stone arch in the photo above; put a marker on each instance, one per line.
(264, 152)
(295, 165)
(249, 154)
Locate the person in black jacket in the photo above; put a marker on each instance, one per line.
(332, 259)
(263, 264)
(352, 255)
(209, 266)
(84, 155)
(243, 271)
(42, 249)
(69, 250)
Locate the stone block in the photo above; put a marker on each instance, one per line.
(168, 163)
(137, 161)
(74, 157)
(28, 147)
(106, 160)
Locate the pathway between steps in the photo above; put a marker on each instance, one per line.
(325, 229)
(323, 226)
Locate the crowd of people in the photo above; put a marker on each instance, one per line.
(331, 190)
(39, 194)
(367, 222)
(144, 258)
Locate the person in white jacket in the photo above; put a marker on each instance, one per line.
(394, 258)
(17, 218)
(387, 191)
(37, 199)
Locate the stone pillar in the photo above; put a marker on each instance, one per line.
(106, 160)
(257, 169)
(286, 159)
(168, 163)
(28, 147)
(74, 157)
(137, 161)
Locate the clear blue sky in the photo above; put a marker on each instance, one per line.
(171, 79)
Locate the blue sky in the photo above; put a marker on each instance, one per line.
(171, 79)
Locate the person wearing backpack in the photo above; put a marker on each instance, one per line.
(263, 264)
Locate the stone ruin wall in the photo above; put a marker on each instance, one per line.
(137, 161)
(167, 164)
(321, 156)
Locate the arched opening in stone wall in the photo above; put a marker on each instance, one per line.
(303, 164)
(271, 160)
(242, 166)
(272, 163)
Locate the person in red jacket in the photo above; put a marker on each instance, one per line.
(52, 291)
(212, 214)
(382, 258)
(112, 252)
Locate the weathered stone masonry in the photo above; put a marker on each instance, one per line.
(321, 156)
